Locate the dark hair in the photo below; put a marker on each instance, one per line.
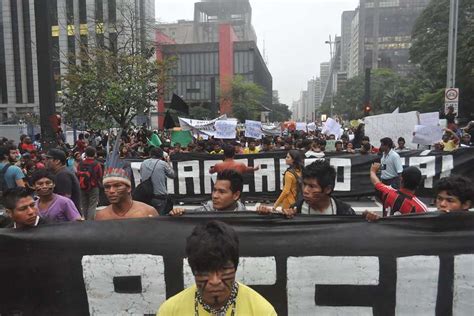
(40, 174)
(235, 178)
(11, 196)
(365, 138)
(411, 178)
(458, 186)
(323, 172)
(387, 141)
(338, 142)
(211, 246)
(401, 139)
(4, 152)
(298, 162)
(90, 151)
(229, 151)
(366, 147)
(156, 152)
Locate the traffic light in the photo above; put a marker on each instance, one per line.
(367, 108)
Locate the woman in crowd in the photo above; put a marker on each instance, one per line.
(292, 180)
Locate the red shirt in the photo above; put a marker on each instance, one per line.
(232, 164)
(399, 201)
(96, 178)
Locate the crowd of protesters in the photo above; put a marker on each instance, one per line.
(77, 172)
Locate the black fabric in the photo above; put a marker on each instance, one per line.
(342, 208)
(43, 272)
(179, 105)
(144, 191)
(352, 176)
(67, 184)
(169, 122)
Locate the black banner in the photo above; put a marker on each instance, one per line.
(410, 265)
(194, 183)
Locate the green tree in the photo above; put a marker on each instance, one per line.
(247, 99)
(430, 51)
(111, 89)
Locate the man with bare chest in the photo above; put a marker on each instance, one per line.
(118, 189)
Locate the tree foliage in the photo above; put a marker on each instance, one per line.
(430, 51)
(247, 99)
(200, 112)
(113, 88)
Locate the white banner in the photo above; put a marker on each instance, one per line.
(271, 129)
(225, 129)
(301, 126)
(311, 127)
(391, 125)
(200, 126)
(429, 119)
(332, 127)
(427, 135)
(253, 129)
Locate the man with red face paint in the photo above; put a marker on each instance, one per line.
(213, 255)
(118, 189)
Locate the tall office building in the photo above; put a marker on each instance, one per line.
(353, 65)
(324, 70)
(75, 24)
(346, 21)
(385, 28)
(314, 96)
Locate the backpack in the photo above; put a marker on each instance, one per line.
(3, 181)
(85, 173)
(299, 185)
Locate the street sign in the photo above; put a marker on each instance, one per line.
(451, 95)
(451, 98)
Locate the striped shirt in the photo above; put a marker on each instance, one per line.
(402, 201)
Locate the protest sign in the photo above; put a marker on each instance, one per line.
(332, 127)
(391, 125)
(330, 145)
(311, 127)
(301, 126)
(429, 119)
(271, 129)
(427, 135)
(253, 129)
(225, 129)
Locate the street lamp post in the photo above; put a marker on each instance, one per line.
(331, 70)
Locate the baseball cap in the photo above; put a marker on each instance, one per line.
(56, 154)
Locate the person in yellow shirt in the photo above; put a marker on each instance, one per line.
(292, 180)
(450, 140)
(252, 148)
(213, 255)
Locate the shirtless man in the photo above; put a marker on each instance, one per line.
(118, 189)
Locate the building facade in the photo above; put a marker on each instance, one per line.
(75, 24)
(385, 28)
(346, 23)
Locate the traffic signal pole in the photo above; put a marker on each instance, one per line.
(45, 72)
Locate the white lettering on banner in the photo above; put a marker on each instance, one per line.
(193, 174)
(251, 271)
(429, 171)
(463, 294)
(99, 272)
(209, 178)
(283, 168)
(417, 285)
(305, 272)
(446, 166)
(346, 164)
(268, 171)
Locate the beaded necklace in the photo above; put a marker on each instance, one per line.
(217, 312)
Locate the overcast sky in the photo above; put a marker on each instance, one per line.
(294, 32)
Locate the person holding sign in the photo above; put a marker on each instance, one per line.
(252, 147)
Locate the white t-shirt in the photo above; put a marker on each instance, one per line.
(330, 210)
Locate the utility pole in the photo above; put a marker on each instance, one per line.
(331, 70)
(452, 52)
(45, 72)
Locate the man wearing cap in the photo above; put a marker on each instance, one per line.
(118, 189)
(158, 168)
(398, 201)
(67, 183)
